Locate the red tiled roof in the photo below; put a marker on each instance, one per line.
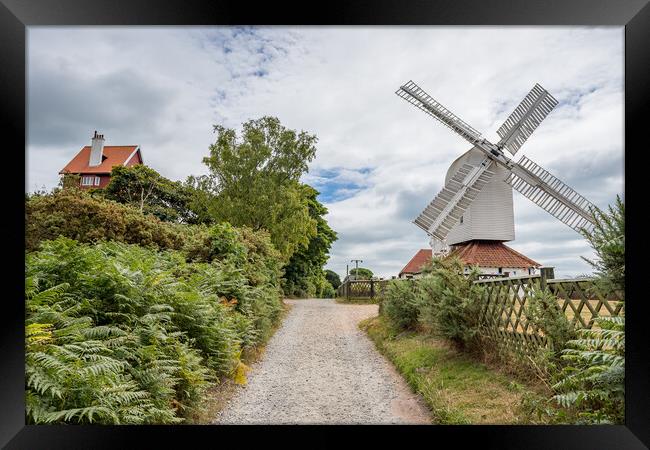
(491, 254)
(113, 155)
(416, 263)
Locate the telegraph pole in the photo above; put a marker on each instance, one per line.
(356, 262)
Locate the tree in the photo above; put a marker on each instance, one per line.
(254, 180)
(333, 278)
(69, 181)
(362, 273)
(608, 241)
(151, 193)
(200, 189)
(304, 274)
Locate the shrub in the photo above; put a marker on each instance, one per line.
(449, 302)
(399, 305)
(588, 379)
(327, 290)
(251, 251)
(544, 312)
(608, 241)
(333, 278)
(77, 215)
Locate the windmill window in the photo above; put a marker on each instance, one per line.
(461, 219)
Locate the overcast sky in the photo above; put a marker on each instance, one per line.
(379, 160)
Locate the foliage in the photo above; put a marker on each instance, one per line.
(592, 384)
(248, 252)
(119, 333)
(361, 273)
(70, 181)
(449, 302)
(76, 214)
(333, 278)
(200, 190)
(400, 305)
(608, 241)
(151, 193)
(588, 379)
(327, 291)
(255, 181)
(303, 274)
(544, 312)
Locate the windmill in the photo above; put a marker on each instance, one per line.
(476, 202)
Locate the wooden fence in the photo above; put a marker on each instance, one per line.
(503, 317)
(372, 289)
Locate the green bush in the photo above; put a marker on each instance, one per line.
(76, 214)
(543, 312)
(588, 374)
(327, 290)
(333, 278)
(449, 302)
(608, 241)
(590, 382)
(120, 333)
(399, 305)
(250, 251)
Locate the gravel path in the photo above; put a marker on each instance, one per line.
(319, 368)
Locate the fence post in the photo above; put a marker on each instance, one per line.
(546, 273)
(372, 289)
(347, 290)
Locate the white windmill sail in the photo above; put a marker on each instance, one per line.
(416, 96)
(532, 110)
(528, 178)
(551, 194)
(444, 211)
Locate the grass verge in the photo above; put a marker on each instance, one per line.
(457, 388)
(218, 396)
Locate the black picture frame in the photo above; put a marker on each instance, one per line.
(16, 15)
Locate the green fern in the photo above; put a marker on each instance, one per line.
(121, 334)
(592, 383)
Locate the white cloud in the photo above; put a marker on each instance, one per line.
(163, 88)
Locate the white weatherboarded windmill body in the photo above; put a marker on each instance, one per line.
(475, 206)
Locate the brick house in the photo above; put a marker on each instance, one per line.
(414, 267)
(491, 257)
(94, 163)
(494, 258)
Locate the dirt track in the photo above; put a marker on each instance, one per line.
(320, 368)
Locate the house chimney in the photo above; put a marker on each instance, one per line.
(96, 150)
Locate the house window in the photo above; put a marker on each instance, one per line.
(87, 181)
(500, 269)
(97, 179)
